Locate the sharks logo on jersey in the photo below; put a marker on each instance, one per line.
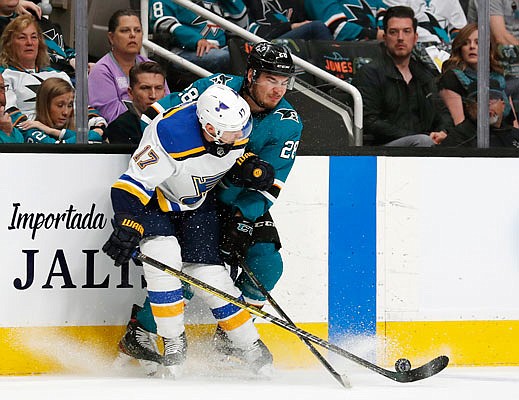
(273, 9)
(287, 113)
(361, 12)
(221, 79)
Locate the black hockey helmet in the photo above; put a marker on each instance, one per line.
(273, 58)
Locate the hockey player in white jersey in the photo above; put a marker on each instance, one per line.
(164, 204)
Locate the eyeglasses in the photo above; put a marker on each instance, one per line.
(4, 87)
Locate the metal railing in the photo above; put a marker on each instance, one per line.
(357, 125)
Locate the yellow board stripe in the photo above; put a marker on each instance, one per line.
(466, 343)
(27, 351)
(172, 310)
(236, 321)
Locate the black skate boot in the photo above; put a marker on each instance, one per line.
(175, 351)
(223, 345)
(141, 345)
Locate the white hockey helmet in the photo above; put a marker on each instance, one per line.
(225, 110)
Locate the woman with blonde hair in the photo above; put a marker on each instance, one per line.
(54, 121)
(24, 65)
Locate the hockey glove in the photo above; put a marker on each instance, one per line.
(252, 172)
(124, 239)
(236, 240)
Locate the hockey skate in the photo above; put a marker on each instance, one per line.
(137, 343)
(223, 345)
(258, 358)
(175, 350)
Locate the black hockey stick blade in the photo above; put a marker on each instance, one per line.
(425, 371)
(341, 378)
(422, 372)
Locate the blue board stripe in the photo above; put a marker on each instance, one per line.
(352, 246)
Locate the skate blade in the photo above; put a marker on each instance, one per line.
(172, 372)
(121, 361)
(265, 372)
(150, 367)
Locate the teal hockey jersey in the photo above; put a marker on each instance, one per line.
(186, 28)
(348, 19)
(275, 138)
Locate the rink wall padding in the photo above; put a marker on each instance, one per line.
(419, 253)
(93, 349)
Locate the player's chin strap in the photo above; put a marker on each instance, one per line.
(217, 136)
(216, 148)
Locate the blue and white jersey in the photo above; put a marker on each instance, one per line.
(274, 138)
(172, 162)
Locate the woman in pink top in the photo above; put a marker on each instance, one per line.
(108, 80)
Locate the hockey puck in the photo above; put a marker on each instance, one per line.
(402, 365)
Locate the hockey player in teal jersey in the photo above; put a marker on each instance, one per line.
(193, 37)
(165, 204)
(275, 137)
(349, 19)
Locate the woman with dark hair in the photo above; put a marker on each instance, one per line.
(108, 80)
(460, 70)
(54, 121)
(458, 89)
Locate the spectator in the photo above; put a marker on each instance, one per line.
(460, 71)
(108, 80)
(438, 23)
(504, 29)
(438, 20)
(24, 65)
(398, 91)
(8, 133)
(501, 132)
(504, 21)
(54, 121)
(193, 38)
(147, 85)
(10, 9)
(349, 19)
(62, 57)
(284, 19)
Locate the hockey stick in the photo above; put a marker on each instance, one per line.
(429, 369)
(342, 379)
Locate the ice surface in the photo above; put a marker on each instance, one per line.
(315, 384)
(92, 376)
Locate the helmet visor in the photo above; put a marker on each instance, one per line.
(234, 136)
(247, 129)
